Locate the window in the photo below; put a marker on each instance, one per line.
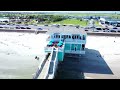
(58, 36)
(69, 36)
(83, 46)
(83, 37)
(77, 36)
(73, 37)
(62, 36)
(80, 37)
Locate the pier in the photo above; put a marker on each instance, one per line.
(47, 68)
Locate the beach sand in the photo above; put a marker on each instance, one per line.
(101, 61)
(103, 56)
(17, 54)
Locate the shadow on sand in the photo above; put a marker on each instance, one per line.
(75, 67)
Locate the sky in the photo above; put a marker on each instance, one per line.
(68, 11)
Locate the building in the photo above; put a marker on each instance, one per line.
(66, 39)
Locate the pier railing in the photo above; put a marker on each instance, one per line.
(48, 48)
(40, 67)
(53, 65)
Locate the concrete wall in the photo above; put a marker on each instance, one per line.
(22, 30)
(103, 34)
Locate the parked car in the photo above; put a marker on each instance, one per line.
(119, 31)
(114, 29)
(1, 27)
(97, 30)
(22, 27)
(86, 30)
(66, 25)
(77, 26)
(17, 27)
(46, 25)
(56, 25)
(28, 28)
(106, 30)
(39, 28)
(12, 28)
(6, 27)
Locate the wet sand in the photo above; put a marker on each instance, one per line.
(17, 54)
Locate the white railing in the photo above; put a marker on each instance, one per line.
(75, 40)
(40, 67)
(48, 48)
(51, 76)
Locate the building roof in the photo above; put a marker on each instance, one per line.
(66, 30)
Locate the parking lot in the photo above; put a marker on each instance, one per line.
(109, 29)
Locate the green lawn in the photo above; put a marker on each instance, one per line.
(74, 22)
(71, 21)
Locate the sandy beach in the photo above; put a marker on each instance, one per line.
(101, 61)
(17, 54)
(104, 53)
(18, 51)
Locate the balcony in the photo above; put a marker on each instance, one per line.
(75, 40)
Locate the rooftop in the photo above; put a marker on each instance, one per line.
(66, 30)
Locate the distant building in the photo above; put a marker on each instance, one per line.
(108, 21)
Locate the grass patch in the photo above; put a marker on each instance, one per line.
(72, 21)
(75, 22)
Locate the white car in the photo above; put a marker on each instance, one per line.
(114, 29)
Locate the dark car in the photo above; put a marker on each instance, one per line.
(1, 27)
(119, 31)
(3, 24)
(112, 31)
(39, 28)
(86, 29)
(98, 28)
(45, 25)
(17, 27)
(64, 25)
(28, 28)
(115, 28)
(22, 27)
(77, 26)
